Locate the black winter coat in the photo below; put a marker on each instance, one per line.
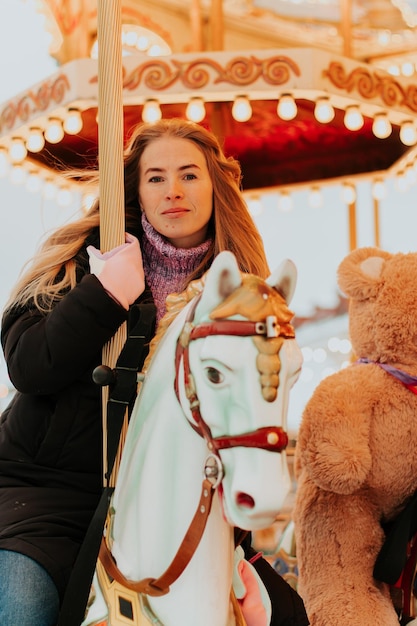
(51, 434)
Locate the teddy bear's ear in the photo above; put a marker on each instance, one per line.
(359, 274)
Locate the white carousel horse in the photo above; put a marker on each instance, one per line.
(206, 440)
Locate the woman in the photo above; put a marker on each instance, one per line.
(183, 206)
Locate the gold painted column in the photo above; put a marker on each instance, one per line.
(346, 26)
(196, 21)
(217, 25)
(352, 226)
(377, 237)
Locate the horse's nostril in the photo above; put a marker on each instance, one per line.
(245, 500)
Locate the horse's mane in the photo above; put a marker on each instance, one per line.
(255, 300)
(175, 302)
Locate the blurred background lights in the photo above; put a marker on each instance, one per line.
(255, 205)
(319, 355)
(285, 202)
(307, 353)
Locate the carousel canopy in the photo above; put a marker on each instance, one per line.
(291, 116)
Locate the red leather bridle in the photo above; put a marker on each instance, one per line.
(272, 438)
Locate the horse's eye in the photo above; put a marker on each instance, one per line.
(214, 375)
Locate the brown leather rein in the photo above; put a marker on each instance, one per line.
(273, 438)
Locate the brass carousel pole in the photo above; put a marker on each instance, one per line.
(196, 21)
(376, 223)
(346, 33)
(218, 122)
(217, 25)
(352, 226)
(346, 26)
(110, 156)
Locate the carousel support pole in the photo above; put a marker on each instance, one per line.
(218, 124)
(196, 21)
(110, 157)
(217, 25)
(377, 237)
(352, 226)
(346, 26)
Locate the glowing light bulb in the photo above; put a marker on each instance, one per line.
(18, 175)
(130, 38)
(88, 201)
(407, 68)
(353, 118)
(285, 202)
(17, 150)
(151, 111)
(315, 199)
(323, 111)
(410, 174)
(287, 108)
(379, 190)
(142, 43)
(36, 140)
(54, 132)
(196, 110)
(33, 182)
(50, 189)
(408, 133)
(255, 206)
(348, 193)
(381, 126)
(73, 122)
(241, 109)
(64, 197)
(155, 50)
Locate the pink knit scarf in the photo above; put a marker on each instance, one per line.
(166, 267)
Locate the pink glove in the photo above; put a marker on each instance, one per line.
(255, 603)
(120, 270)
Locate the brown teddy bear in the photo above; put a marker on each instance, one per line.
(356, 455)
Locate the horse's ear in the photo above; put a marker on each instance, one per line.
(222, 279)
(284, 279)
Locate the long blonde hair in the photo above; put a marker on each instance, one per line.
(53, 271)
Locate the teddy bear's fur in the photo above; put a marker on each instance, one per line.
(356, 460)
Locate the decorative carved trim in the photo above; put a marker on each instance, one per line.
(372, 85)
(34, 102)
(198, 73)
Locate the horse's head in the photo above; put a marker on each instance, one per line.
(237, 360)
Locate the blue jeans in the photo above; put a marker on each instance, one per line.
(28, 596)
